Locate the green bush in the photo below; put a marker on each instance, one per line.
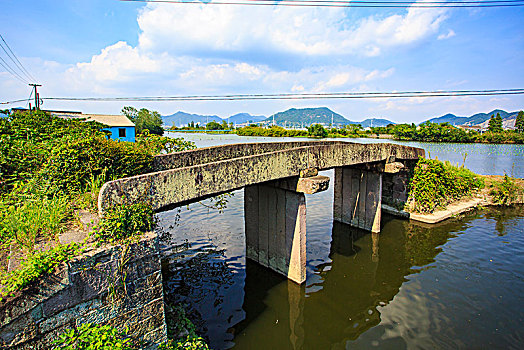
(72, 165)
(26, 140)
(36, 265)
(273, 131)
(505, 192)
(94, 337)
(155, 144)
(124, 221)
(435, 184)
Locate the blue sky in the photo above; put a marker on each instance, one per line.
(106, 48)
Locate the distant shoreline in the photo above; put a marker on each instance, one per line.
(335, 135)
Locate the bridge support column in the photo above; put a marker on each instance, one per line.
(275, 222)
(358, 197)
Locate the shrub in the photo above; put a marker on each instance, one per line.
(155, 144)
(72, 165)
(94, 337)
(26, 140)
(435, 184)
(124, 221)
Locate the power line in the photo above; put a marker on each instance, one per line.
(288, 96)
(355, 4)
(15, 59)
(10, 70)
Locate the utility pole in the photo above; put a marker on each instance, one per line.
(37, 97)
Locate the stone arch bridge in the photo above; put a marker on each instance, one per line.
(275, 177)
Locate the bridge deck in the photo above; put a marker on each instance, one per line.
(191, 175)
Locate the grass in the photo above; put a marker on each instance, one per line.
(37, 218)
(36, 265)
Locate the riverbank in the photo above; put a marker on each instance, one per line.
(485, 197)
(428, 132)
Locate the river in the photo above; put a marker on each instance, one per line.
(457, 284)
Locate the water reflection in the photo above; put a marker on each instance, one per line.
(412, 285)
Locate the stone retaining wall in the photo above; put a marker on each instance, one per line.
(119, 286)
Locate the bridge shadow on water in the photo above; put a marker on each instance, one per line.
(248, 306)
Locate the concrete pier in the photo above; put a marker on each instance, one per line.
(275, 223)
(358, 197)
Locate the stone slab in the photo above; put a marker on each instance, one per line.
(451, 210)
(190, 183)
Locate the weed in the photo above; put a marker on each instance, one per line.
(505, 192)
(34, 219)
(125, 221)
(35, 266)
(94, 337)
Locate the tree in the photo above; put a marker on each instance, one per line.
(317, 130)
(519, 122)
(149, 120)
(130, 112)
(213, 125)
(495, 124)
(353, 128)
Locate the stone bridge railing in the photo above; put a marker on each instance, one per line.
(192, 175)
(275, 177)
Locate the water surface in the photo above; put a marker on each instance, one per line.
(458, 284)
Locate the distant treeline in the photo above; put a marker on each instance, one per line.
(315, 130)
(427, 132)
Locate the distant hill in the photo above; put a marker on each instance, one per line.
(307, 116)
(478, 119)
(374, 122)
(182, 118)
(241, 118)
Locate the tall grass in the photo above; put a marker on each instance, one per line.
(35, 219)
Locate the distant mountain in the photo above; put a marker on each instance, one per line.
(182, 119)
(307, 116)
(448, 118)
(374, 122)
(241, 118)
(477, 119)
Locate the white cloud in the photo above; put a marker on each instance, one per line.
(295, 30)
(120, 66)
(448, 35)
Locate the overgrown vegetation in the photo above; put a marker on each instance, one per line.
(182, 332)
(505, 192)
(435, 184)
(49, 168)
(36, 265)
(94, 337)
(274, 131)
(122, 222)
